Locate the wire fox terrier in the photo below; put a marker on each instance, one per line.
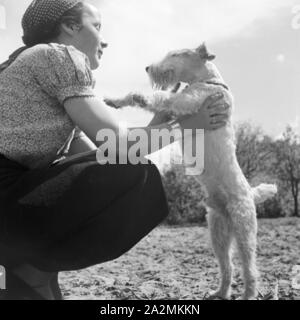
(230, 199)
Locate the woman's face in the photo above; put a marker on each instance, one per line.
(87, 39)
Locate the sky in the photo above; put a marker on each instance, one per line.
(257, 43)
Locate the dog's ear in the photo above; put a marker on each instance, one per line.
(204, 53)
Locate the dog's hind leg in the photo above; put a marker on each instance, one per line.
(221, 239)
(244, 222)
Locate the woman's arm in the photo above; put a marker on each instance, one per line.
(92, 115)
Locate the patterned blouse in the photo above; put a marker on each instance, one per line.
(34, 126)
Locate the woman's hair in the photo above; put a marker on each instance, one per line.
(70, 17)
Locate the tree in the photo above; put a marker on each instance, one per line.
(252, 149)
(287, 164)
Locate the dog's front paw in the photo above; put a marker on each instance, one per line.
(138, 100)
(131, 100)
(113, 103)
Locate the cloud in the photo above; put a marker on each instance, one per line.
(141, 31)
(296, 124)
(2, 17)
(281, 58)
(179, 21)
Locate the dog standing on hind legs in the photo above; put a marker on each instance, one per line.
(231, 200)
(225, 226)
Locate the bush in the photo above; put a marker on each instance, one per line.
(271, 209)
(185, 197)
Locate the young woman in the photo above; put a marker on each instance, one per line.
(72, 214)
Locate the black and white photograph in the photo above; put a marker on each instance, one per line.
(150, 151)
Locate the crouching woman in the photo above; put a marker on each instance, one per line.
(70, 214)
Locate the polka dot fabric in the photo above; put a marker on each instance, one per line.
(44, 14)
(35, 128)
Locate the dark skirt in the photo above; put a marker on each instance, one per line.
(77, 214)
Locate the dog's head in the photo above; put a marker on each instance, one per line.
(185, 65)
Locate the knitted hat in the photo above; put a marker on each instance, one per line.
(42, 16)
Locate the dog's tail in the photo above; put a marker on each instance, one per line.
(264, 192)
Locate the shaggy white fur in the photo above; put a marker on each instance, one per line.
(231, 200)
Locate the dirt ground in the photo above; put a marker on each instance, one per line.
(177, 263)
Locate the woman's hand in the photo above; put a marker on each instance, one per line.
(213, 115)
